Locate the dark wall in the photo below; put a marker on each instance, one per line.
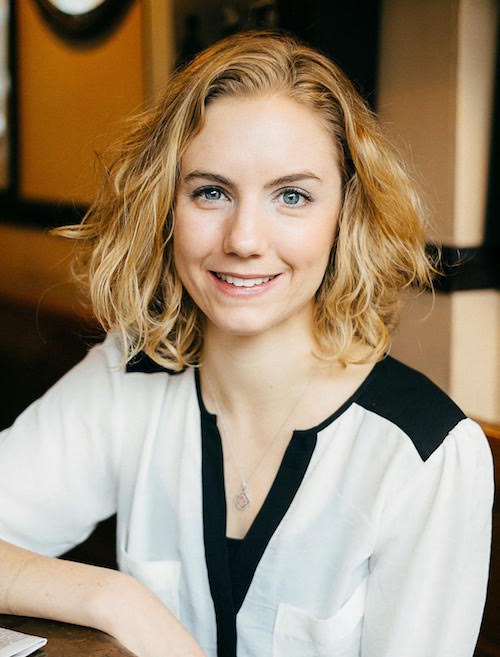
(348, 32)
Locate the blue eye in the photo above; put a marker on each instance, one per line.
(212, 194)
(293, 197)
(209, 194)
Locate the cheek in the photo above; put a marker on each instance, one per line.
(186, 246)
(193, 239)
(185, 263)
(179, 244)
(183, 253)
(312, 248)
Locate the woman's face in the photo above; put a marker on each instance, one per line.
(255, 215)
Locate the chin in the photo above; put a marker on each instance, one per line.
(244, 327)
(243, 330)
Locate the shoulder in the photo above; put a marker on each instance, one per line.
(139, 379)
(109, 354)
(143, 373)
(412, 402)
(143, 364)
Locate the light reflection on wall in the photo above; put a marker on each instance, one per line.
(4, 93)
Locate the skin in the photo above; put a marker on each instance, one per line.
(252, 225)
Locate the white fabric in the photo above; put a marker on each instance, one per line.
(380, 554)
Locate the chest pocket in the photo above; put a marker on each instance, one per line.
(160, 577)
(299, 634)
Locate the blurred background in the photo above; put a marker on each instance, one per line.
(71, 71)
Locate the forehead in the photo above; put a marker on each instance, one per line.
(261, 133)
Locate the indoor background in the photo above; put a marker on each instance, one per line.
(429, 68)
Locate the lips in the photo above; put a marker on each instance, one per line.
(244, 280)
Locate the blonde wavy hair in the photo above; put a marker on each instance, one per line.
(126, 237)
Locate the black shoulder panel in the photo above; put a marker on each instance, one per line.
(146, 365)
(412, 402)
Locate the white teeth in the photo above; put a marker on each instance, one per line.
(243, 282)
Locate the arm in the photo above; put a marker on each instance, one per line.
(44, 587)
(429, 571)
(59, 474)
(59, 461)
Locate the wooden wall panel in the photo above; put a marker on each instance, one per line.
(71, 98)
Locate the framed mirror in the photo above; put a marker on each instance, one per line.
(82, 19)
(51, 53)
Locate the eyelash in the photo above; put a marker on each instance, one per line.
(198, 193)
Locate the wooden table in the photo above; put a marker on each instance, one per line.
(65, 640)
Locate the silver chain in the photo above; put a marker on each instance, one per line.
(242, 498)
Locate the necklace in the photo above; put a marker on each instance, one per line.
(242, 498)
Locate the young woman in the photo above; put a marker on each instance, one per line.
(283, 487)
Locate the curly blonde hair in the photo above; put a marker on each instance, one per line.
(126, 259)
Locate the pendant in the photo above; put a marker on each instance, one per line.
(242, 499)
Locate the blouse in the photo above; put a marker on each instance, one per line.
(373, 541)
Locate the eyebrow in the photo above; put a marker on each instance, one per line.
(282, 180)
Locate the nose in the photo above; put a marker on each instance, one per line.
(246, 231)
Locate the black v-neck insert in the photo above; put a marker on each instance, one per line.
(231, 566)
(233, 545)
(231, 563)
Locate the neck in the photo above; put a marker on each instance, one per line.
(261, 371)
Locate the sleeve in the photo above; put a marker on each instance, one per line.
(429, 571)
(59, 461)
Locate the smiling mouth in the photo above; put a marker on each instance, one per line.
(243, 282)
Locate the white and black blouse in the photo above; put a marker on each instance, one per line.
(373, 540)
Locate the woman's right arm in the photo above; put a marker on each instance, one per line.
(108, 600)
(60, 466)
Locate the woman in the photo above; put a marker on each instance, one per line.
(282, 486)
